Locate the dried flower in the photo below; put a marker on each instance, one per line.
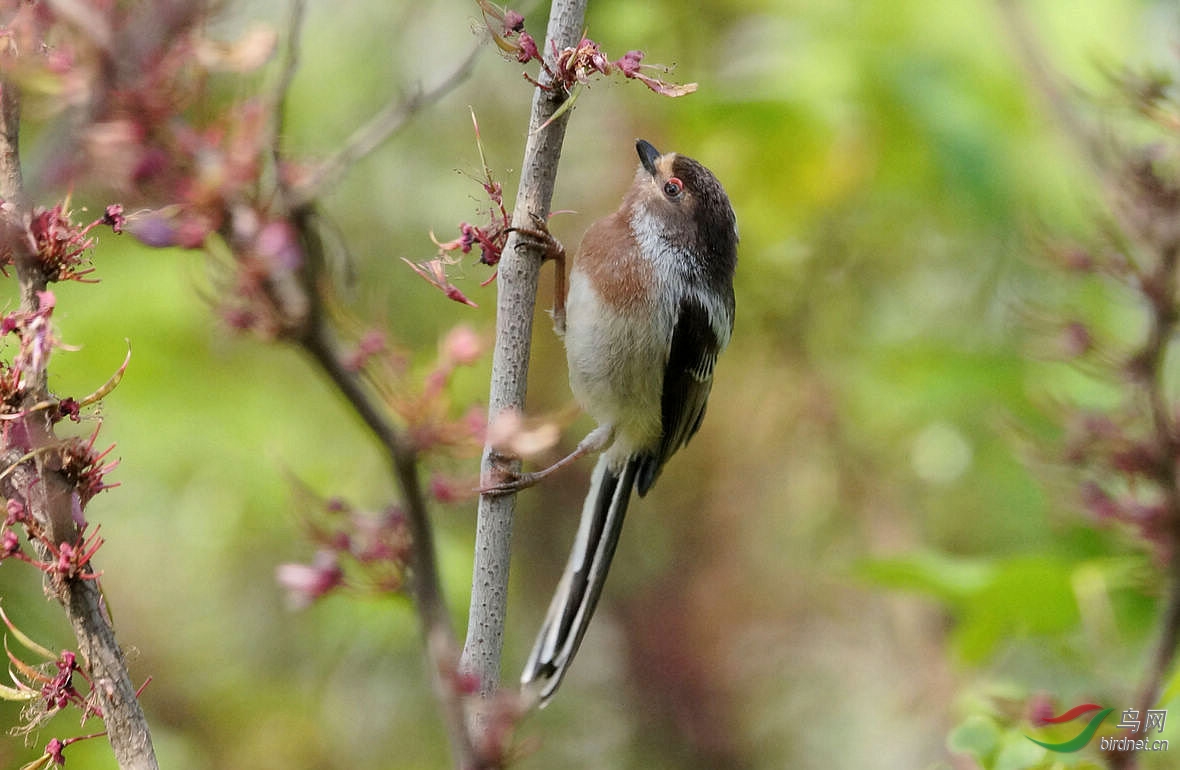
(306, 583)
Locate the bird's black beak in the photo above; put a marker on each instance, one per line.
(647, 155)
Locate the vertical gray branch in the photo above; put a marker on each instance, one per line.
(11, 185)
(48, 495)
(517, 282)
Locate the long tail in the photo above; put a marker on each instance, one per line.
(581, 583)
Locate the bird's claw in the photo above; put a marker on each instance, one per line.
(506, 480)
(538, 236)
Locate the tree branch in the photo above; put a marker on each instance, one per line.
(315, 335)
(11, 183)
(517, 282)
(282, 88)
(387, 122)
(1138, 206)
(49, 495)
(1153, 382)
(441, 647)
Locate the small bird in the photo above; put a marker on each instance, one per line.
(650, 308)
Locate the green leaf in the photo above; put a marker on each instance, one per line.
(1028, 596)
(1018, 753)
(947, 578)
(1011, 598)
(976, 735)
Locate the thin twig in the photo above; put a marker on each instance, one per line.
(282, 88)
(1046, 82)
(49, 495)
(387, 122)
(441, 647)
(318, 339)
(517, 284)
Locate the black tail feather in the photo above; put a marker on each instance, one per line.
(585, 573)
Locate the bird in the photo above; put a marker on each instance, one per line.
(650, 307)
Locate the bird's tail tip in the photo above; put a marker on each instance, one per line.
(535, 689)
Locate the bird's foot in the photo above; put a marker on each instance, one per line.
(539, 237)
(504, 479)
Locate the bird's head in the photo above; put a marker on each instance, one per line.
(678, 198)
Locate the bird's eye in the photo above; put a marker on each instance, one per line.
(673, 187)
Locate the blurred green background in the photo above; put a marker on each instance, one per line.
(857, 556)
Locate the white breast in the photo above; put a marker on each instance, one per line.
(616, 365)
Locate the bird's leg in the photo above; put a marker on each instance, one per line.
(539, 237)
(505, 481)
